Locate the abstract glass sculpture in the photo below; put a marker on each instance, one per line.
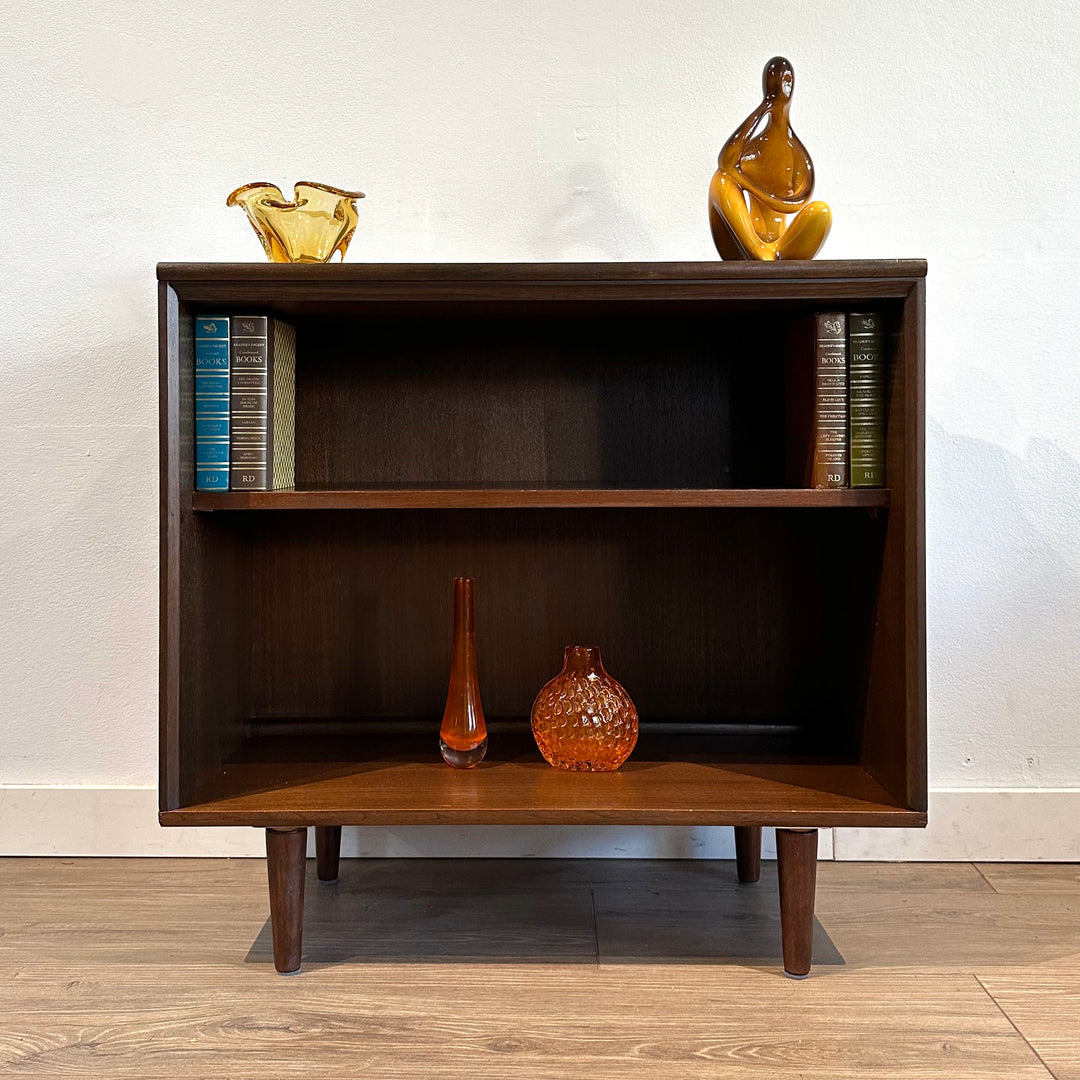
(583, 719)
(319, 221)
(765, 174)
(463, 734)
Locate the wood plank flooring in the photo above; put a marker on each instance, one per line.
(537, 969)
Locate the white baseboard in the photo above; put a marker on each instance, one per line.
(987, 825)
(990, 825)
(84, 821)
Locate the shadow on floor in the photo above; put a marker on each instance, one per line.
(542, 911)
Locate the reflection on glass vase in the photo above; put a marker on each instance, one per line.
(583, 719)
(309, 228)
(463, 735)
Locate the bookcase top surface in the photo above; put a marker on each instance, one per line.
(308, 273)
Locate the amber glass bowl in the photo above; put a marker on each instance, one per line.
(317, 222)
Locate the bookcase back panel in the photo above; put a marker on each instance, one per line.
(632, 401)
(752, 617)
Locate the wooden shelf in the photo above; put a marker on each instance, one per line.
(528, 791)
(824, 272)
(400, 497)
(306, 289)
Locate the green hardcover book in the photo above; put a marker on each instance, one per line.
(866, 393)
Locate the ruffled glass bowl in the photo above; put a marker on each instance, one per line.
(319, 221)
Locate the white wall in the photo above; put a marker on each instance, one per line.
(501, 131)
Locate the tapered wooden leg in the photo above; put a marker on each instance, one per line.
(748, 853)
(796, 855)
(327, 851)
(286, 860)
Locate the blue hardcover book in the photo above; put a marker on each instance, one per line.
(211, 403)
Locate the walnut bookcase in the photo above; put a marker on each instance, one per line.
(603, 447)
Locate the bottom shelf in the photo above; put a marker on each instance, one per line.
(400, 786)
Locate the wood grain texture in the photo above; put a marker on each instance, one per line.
(489, 967)
(410, 792)
(540, 399)
(700, 613)
(170, 449)
(796, 866)
(286, 867)
(893, 730)
(391, 498)
(328, 851)
(1045, 1007)
(748, 852)
(361, 274)
(976, 930)
(338, 288)
(408, 1023)
(1039, 878)
(431, 394)
(205, 635)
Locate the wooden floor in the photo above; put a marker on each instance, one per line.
(537, 969)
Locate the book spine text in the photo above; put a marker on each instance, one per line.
(249, 374)
(211, 403)
(866, 406)
(830, 468)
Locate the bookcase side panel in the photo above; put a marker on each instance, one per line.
(894, 728)
(205, 592)
(170, 479)
(915, 550)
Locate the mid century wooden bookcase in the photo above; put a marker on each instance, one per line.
(602, 447)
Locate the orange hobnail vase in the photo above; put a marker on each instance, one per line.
(463, 734)
(583, 719)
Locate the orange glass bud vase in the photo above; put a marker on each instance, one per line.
(765, 176)
(583, 719)
(463, 735)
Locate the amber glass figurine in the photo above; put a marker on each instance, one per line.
(764, 175)
(583, 719)
(319, 221)
(463, 735)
